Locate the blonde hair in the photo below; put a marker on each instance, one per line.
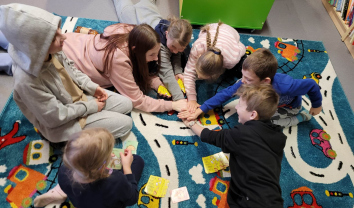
(211, 62)
(262, 98)
(262, 62)
(87, 153)
(180, 30)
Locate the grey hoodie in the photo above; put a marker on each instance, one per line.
(39, 91)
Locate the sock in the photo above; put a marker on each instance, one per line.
(55, 194)
(303, 116)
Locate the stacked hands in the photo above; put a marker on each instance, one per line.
(191, 112)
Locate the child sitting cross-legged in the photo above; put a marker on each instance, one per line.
(255, 147)
(51, 92)
(85, 177)
(261, 67)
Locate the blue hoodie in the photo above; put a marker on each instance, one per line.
(290, 91)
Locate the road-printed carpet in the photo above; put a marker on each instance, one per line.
(315, 170)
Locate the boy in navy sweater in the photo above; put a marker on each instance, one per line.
(261, 67)
(255, 147)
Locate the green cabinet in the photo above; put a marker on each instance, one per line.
(250, 14)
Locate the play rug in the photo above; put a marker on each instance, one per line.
(318, 163)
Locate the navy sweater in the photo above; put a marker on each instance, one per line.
(116, 191)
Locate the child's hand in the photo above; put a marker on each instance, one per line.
(101, 94)
(179, 76)
(126, 158)
(100, 105)
(315, 111)
(192, 106)
(179, 105)
(189, 116)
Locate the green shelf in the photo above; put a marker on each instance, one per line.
(249, 14)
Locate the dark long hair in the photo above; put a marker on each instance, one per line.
(113, 42)
(142, 39)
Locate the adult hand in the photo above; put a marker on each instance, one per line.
(179, 105)
(100, 105)
(101, 94)
(192, 106)
(315, 111)
(189, 116)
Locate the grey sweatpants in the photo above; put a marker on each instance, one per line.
(112, 117)
(286, 117)
(142, 12)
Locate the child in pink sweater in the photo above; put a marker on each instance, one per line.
(217, 48)
(119, 57)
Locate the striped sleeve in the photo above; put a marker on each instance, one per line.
(228, 42)
(190, 74)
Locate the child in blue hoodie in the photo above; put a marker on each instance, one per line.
(255, 147)
(175, 36)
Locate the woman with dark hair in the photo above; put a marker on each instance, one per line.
(124, 56)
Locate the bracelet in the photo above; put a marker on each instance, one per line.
(191, 123)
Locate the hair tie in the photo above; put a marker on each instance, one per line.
(102, 165)
(216, 52)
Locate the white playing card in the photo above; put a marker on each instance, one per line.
(180, 194)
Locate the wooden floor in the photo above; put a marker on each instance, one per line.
(298, 19)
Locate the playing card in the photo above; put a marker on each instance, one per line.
(180, 194)
(131, 145)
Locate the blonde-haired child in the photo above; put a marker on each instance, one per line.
(255, 147)
(85, 177)
(217, 48)
(175, 36)
(259, 68)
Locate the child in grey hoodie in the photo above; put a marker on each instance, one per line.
(55, 97)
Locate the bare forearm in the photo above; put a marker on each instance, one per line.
(197, 129)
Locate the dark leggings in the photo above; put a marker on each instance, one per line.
(137, 167)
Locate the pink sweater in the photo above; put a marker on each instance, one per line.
(228, 42)
(79, 48)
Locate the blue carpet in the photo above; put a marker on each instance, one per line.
(308, 174)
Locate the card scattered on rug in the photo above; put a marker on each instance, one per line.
(318, 163)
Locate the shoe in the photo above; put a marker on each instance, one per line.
(55, 194)
(303, 116)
